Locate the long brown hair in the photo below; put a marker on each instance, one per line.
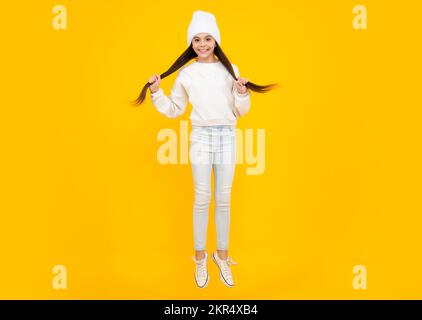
(188, 55)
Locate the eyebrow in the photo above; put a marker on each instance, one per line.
(204, 36)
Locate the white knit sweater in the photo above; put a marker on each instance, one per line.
(210, 89)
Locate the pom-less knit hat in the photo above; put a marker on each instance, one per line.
(203, 22)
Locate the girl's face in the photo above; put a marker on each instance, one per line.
(204, 45)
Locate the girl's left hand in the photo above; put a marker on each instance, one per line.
(240, 85)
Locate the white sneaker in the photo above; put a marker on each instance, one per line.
(201, 272)
(224, 267)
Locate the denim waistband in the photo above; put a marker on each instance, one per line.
(217, 129)
(228, 126)
(213, 131)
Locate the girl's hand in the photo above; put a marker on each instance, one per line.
(155, 79)
(240, 85)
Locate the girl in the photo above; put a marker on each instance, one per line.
(218, 97)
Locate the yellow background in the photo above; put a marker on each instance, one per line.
(81, 185)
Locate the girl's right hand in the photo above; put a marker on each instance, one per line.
(155, 79)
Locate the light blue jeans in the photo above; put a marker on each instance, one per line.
(212, 148)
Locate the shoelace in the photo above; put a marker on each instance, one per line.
(225, 265)
(201, 267)
(230, 261)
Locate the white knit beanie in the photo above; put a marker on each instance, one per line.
(203, 22)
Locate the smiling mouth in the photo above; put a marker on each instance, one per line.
(203, 51)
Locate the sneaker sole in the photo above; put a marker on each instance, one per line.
(221, 275)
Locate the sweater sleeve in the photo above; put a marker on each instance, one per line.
(175, 104)
(242, 101)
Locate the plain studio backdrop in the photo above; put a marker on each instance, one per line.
(87, 210)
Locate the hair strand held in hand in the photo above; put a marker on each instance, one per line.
(190, 54)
